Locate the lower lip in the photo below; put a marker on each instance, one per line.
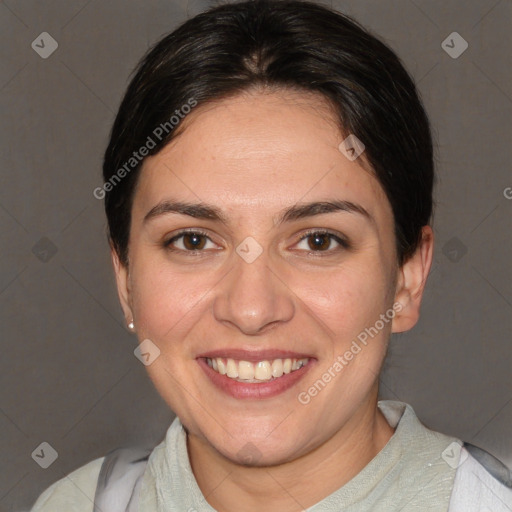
(267, 389)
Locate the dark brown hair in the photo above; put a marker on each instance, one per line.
(288, 44)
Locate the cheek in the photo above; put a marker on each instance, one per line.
(167, 303)
(349, 299)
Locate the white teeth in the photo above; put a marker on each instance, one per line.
(263, 371)
(232, 369)
(277, 368)
(245, 371)
(221, 366)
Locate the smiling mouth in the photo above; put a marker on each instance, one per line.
(258, 372)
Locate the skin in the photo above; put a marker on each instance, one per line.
(252, 156)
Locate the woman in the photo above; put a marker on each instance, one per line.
(268, 190)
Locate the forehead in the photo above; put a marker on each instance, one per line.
(263, 150)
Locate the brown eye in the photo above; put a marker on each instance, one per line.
(322, 241)
(193, 241)
(188, 241)
(319, 241)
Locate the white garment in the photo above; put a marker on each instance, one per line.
(476, 489)
(418, 469)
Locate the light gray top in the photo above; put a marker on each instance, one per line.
(409, 473)
(416, 470)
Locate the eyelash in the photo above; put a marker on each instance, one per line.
(344, 244)
(168, 243)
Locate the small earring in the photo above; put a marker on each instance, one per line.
(131, 326)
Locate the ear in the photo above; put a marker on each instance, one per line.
(123, 284)
(412, 277)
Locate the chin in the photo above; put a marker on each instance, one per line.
(258, 451)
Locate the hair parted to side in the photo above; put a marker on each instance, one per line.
(280, 44)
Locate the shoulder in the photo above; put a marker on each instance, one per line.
(482, 482)
(73, 493)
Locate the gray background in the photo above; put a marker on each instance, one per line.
(68, 375)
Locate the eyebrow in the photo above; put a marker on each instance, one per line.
(295, 212)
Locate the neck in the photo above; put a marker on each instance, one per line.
(296, 485)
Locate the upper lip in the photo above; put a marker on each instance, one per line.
(253, 356)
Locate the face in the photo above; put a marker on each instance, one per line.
(256, 245)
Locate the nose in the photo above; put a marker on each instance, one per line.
(252, 297)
